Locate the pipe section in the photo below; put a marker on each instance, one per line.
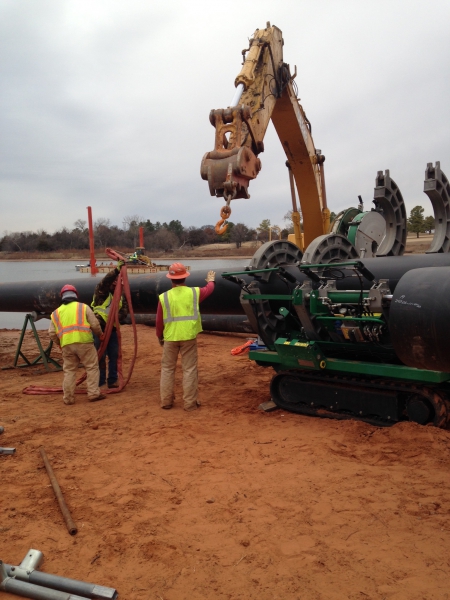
(26, 573)
(419, 322)
(11, 585)
(43, 296)
(63, 584)
(32, 560)
(227, 323)
(71, 527)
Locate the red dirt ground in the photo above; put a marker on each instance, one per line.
(227, 501)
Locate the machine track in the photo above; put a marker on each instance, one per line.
(381, 402)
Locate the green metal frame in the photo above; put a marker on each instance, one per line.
(44, 355)
(295, 354)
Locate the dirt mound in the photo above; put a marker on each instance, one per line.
(226, 501)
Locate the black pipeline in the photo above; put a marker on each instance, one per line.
(43, 296)
(226, 323)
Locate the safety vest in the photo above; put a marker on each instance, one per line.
(71, 324)
(181, 314)
(103, 309)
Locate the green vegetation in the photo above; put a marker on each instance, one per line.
(417, 223)
(158, 237)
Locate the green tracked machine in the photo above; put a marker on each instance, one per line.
(365, 353)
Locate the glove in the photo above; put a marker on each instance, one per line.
(161, 341)
(211, 276)
(120, 264)
(102, 337)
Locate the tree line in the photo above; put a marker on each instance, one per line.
(158, 237)
(164, 237)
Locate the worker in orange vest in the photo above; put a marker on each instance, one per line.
(71, 327)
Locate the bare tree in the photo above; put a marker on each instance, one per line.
(80, 225)
(164, 239)
(131, 224)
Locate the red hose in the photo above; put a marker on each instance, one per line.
(123, 286)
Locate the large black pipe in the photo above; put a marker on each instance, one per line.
(226, 323)
(419, 319)
(43, 296)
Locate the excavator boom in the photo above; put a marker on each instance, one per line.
(264, 91)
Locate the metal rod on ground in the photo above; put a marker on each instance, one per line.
(11, 585)
(71, 527)
(82, 589)
(7, 450)
(27, 571)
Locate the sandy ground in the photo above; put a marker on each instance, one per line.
(227, 501)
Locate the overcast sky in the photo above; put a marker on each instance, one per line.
(106, 103)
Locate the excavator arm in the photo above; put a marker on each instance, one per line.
(264, 91)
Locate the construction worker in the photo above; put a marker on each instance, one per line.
(100, 304)
(177, 324)
(71, 327)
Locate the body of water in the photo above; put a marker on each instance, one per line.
(48, 270)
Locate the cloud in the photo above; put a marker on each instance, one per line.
(106, 104)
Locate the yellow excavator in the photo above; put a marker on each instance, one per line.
(265, 89)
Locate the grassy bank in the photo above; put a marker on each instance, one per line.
(208, 251)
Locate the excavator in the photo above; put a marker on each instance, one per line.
(266, 90)
(360, 331)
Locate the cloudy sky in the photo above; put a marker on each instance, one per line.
(106, 102)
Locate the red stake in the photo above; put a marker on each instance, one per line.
(94, 269)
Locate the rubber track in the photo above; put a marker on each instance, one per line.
(437, 398)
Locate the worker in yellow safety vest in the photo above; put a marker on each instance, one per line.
(71, 327)
(178, 323)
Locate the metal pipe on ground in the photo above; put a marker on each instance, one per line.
(62, 584)
(27, 572)
(11, 585)
(71, 527)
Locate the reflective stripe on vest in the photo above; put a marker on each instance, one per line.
(103, 309)
(181, 314)
(71, 324)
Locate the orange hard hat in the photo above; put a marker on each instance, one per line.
(177, 271)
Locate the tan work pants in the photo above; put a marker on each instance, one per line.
(188, 351)
(73, 354)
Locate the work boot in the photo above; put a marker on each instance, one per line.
(192, 406)
(114, 385)
(96, 398)
(69, 400)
